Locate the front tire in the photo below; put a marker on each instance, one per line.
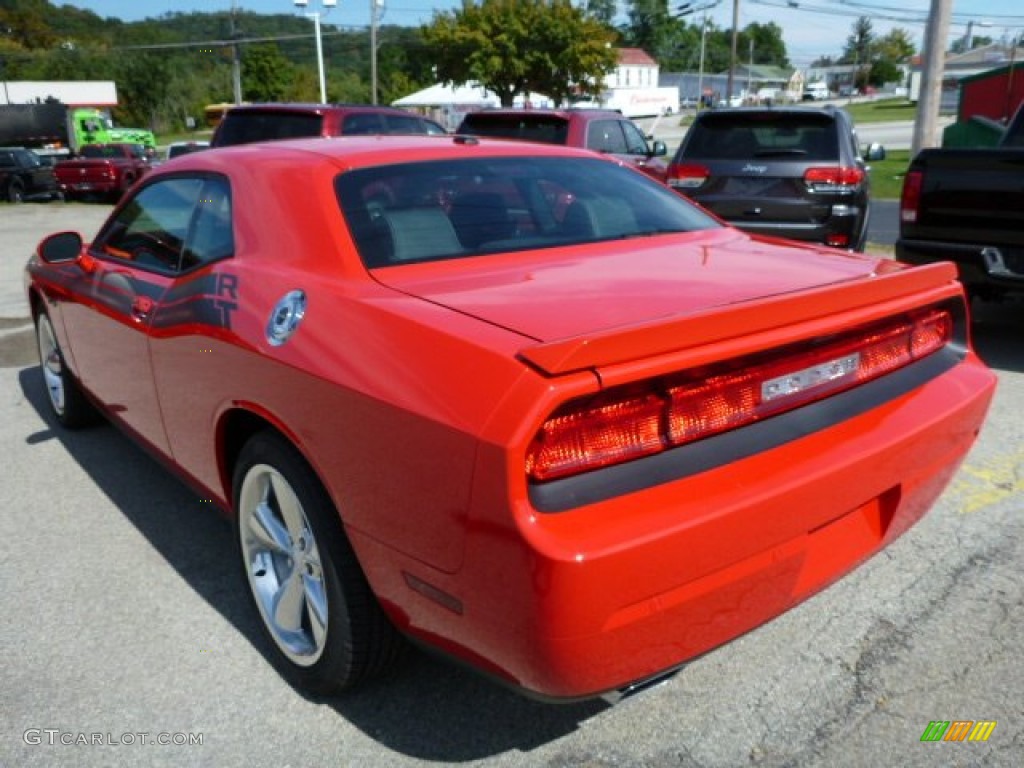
(67, 402)
(327, 631)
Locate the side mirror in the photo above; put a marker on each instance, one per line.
(874, 153)
(61, 247)
(658, 149)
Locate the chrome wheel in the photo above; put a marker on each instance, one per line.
(52, 364)
(282, 562)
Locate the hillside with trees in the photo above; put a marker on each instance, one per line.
(169, 67)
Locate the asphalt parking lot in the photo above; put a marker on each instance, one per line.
(124, 623)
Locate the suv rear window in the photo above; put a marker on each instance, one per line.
(737, 136)
(547, 129)
(247, 127)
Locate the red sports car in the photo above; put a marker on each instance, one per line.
(516, 402)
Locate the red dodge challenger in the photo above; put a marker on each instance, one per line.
(515, 402)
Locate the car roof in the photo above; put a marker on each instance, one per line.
(302, 107)
(370, 150)
(566, 113)
(826, 110)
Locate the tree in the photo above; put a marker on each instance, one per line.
(651, 27)
(602, 10)
(513, 47)
(859, 46)
(266, 74)
(769, 47)
(897, 46)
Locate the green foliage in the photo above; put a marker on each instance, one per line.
(513, 47)
(266, 74)
(675, 40)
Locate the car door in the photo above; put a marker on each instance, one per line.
(127, 272)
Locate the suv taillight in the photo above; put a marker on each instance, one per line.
(834, 178)
(615, 427)
(687, 176)
(910, 199)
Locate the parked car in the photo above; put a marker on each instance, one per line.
(517, 402)
(963, 205)
(268, 122)
(24, 176)
(601, 130)
(103, 170)
(792, 172)
(179, 148)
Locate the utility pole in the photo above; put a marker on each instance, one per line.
(930, 96)
(732, 55)
(236, 59)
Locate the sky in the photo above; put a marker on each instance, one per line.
(811, 28)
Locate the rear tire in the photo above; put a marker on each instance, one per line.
(15, 192)
(326, 630)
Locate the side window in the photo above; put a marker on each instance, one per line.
(171, 225)
(360, 124)
(636, 143)
(606, 136)
(211, 234)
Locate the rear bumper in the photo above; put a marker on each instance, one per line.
(90, 186)
(978, 265)
(580, 602)
(844, 231)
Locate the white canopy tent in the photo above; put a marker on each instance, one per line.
(447, 103)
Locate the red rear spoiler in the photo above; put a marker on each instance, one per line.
(930, 282)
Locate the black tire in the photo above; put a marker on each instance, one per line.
(68, 403)
(15, 192)
(356, 641)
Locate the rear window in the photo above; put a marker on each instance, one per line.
(738, 136)
(414, 212)
(547, 129)
(365, 123)
(247, 127)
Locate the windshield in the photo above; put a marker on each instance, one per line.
(455, 209)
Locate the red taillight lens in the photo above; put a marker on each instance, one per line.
(599, 434)
(910, 199)
(613, 428)
(835, 177)
(687, 176)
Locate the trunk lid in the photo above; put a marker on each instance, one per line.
(595, 287)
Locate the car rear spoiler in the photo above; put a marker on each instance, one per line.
(926, 283)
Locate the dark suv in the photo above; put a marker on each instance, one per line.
(601, 130)
(23, 176)
(793, 172)
(267, 122)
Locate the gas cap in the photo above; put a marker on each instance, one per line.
(285, 317)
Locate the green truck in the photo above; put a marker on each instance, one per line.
(58, 130)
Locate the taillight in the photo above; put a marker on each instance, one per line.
(687, 176)
(910, 199)
(834, 178)
(615, 427)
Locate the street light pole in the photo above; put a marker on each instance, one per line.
(732, 51)
(315, 16)
(375, 6)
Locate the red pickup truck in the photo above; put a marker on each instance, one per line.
(106, 170)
